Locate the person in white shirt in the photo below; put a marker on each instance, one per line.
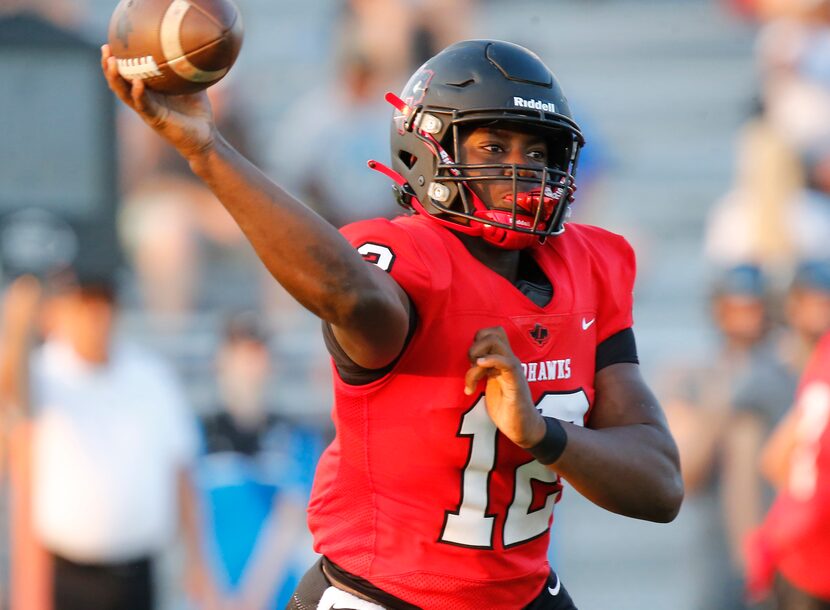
(112, 441)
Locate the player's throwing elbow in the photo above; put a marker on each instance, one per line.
(372, 323)
(625, 459)
(669, 497)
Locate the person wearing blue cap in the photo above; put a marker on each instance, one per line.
(739, 308)
(807, 310)
(720, 410)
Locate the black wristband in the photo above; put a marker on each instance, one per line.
(548, 450)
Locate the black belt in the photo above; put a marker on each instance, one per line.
(119, 568)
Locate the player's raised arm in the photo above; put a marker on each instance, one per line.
(367, 309)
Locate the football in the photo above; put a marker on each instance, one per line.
(175, 46)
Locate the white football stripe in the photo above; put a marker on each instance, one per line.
(171, 46)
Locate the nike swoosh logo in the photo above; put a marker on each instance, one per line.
(554, 591)
(587, 325)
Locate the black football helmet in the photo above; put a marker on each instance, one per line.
(470, 84)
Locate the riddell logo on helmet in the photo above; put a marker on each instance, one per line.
(534, 104)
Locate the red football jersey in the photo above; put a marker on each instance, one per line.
(797, 527)
(419, 493)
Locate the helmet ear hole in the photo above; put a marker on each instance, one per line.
(560, 150)
(407, 158)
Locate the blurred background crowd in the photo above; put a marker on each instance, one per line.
(200, 391)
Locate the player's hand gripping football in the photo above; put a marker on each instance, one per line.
(507, 394)
(186, 121)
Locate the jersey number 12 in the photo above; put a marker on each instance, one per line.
(470, 525)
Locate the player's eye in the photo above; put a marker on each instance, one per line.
(492, 148)
(537, 155)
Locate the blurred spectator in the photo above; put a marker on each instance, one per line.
(779, 213)
(810, 206)
(65, 13)
(325, 139)
(807, 312)
(186, 251)
(718, 461)
(30, 570)
(753, 221)
(111, 441)
(807, 319)
(744, 8)
(792, 546)
(143, 158)
(779, 9)
(255, 477)
(792, 52)
(400, 35)
(779, 209)
(157, 226)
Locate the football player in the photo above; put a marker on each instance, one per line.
(787, 554)
(483, 349)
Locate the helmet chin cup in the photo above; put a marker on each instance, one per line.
(529, 201)
(507, 239)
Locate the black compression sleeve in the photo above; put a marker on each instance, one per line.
(619, 347)
(354, 374)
